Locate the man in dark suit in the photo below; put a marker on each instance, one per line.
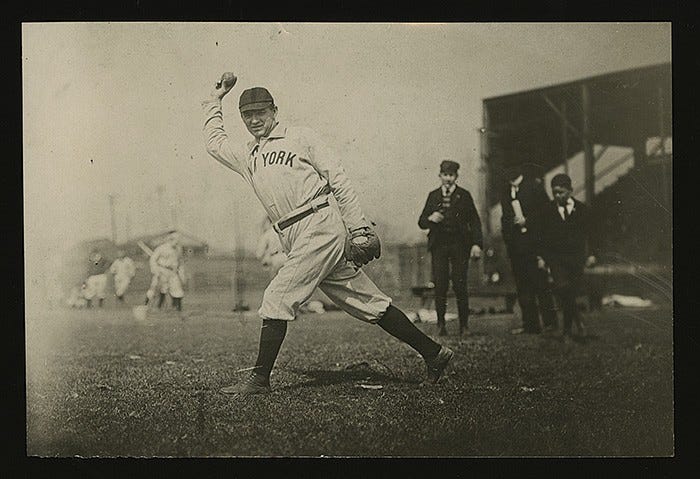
(454, 236)
(523, 200)
(565, 248)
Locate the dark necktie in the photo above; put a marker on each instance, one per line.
(446, 199)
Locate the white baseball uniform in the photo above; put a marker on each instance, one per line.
(287, 170)
(96, 283)
(164, 263)
(123, 270)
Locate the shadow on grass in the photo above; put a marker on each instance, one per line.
(585, 339)
(354, 373)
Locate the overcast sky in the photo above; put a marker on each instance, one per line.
(114, 108)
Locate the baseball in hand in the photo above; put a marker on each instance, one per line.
(228, 79)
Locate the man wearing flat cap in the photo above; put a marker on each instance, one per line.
(454, 236)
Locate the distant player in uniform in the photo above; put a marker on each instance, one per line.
(123, 269)
(96, 282)
(76, 297)
(454, 237)
(314, 209)
(165, 264)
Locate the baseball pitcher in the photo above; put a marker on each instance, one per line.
(317, 216)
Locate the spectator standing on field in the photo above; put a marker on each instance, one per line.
(454, 237)
(565, 249)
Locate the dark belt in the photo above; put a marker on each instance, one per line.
(299, 216)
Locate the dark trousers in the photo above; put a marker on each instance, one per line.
(567, 299)
(568, 275)
(450, 261)
(534, 296)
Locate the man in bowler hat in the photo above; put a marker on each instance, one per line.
(523, 201)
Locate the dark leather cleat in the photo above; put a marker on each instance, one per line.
(436, 367)
(253, 384)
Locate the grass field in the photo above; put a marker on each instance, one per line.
(100, 383)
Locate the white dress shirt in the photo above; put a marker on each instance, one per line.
(569, 208)
(447, 191)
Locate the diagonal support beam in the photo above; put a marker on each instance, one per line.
(568, 124)
(601, 152)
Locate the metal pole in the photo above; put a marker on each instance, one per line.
(484, 170)
(564, 138)
(128, 227)
(113, 220)
(161, 207)
(173, 216)
(589, 159)
(662, 138)
(235, 281)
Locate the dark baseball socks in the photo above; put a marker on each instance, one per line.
(272, 334)
(395, 322)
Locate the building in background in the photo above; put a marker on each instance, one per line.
(612, 134)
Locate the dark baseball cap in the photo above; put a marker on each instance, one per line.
(256, 98)
(449, 167)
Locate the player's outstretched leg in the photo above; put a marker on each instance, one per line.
(272, 335)
(436, 357)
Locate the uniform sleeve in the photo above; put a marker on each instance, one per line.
(132, 267)
(113, 268)
(217, 142)
(153, 260)
(324, 160)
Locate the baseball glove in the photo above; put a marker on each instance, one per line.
(362, 246)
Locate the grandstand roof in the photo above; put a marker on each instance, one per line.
(546, 125)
